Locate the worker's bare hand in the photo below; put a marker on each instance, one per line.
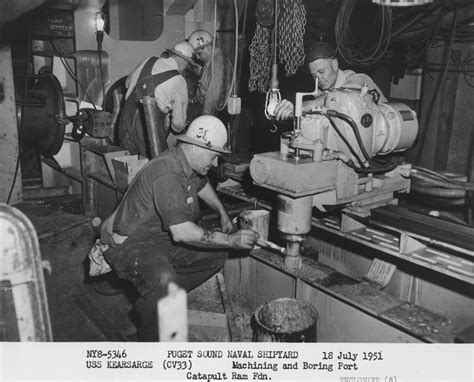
(244, 238)
(226, 224)
(284, 110)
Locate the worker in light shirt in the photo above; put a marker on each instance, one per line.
(162, 79)
(324, 66)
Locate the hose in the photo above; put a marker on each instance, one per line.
(431, 181)
(445, 178)
(353, 125)
(346, 142)
(439, 192)
(374, 168)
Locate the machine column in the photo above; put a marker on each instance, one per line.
(294, 222)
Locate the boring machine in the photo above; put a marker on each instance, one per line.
(329, 158)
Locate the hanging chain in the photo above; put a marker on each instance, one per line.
(291, 29)
(260, 60)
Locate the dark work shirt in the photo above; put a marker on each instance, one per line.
(167, 188)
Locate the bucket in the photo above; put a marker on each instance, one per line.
(285, 320)
(256, 220)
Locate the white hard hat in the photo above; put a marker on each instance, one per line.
(184, 50)
(207, 131)
(200, 38)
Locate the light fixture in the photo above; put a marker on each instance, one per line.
(99, 21)
(401, 3)
(99, 27)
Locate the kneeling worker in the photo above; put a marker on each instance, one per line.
(157, 218)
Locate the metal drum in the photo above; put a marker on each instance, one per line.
(285, 320)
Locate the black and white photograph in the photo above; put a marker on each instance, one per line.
(227, 190)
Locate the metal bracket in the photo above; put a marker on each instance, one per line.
(409, 245)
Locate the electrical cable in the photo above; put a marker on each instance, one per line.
(374, 167)
(72, 75)
(418, 17)
(346, 142)
(361, 54)
(343, 138)
(236, 48)
(433, 173)
(441, 192)
(376, 170)
(244, 26)
(20, 128)
(424, 132)
(353, 125)
(214, 33)
(101, 74)
(441, 183)
(233, 85)
(421, 32)
(450, 183)
(68, 68)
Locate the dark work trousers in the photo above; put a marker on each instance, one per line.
(133, 135)
(149, 260)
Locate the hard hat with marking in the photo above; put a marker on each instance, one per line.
(208, 132)
(200, 39)
(184, 50)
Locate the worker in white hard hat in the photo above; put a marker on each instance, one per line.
(215, 77)
(324, 66)
(159, 78)
(157, 219)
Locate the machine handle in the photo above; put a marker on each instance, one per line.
(269, 244)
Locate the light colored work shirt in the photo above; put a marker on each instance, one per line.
(171, 95)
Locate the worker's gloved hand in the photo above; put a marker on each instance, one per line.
(284, 110)
(244, 238)
(226, 224)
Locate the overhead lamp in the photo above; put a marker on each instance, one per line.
(99, 27)
(401, 3)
